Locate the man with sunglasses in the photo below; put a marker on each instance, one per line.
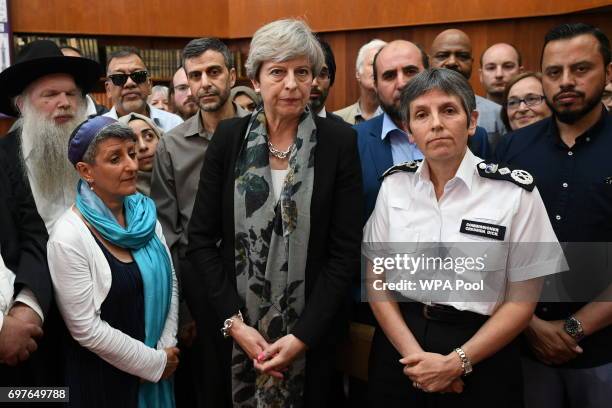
(128, 86)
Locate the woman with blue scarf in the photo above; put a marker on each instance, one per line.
(113, 278)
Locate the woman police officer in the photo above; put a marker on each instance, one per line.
(426, 350)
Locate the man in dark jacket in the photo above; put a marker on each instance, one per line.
(25, 285)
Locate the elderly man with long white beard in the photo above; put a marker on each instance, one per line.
(49, 91)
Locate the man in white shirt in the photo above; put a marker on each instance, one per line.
(49, 91)
(366, 106)
(128, 86)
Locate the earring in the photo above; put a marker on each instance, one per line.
(91, 184)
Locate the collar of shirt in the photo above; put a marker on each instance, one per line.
(401, 148)
(389, 126)
(587, 136)
(359, 112)
(465, 172)
(322, 113)
(195, 126)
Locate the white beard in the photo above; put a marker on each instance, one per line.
(49, 170)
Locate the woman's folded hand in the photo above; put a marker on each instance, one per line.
(432, 372)
(279, 355)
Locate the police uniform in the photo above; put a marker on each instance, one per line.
(494, 207)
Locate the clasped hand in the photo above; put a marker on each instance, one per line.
(434, 372)
(550, 343)
(20, 330)
(271, 359)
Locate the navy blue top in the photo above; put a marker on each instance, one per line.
(576, 187)
(93, 382)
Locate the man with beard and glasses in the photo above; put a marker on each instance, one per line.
(452, 49)
(181, 100)
(569, 362)
(49, 90)
(210, 71)
(322, 83)
(128, 86)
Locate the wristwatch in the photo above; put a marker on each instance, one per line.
(466, 364)
(573, 327)
(228, 323)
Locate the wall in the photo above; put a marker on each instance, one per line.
(345, 24)
(527, 34)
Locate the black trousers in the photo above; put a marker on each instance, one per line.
(495, 382)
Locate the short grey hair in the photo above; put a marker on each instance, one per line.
(112, 131)
(284, 40)
(445, 80)
(159, 88)
(375, 44)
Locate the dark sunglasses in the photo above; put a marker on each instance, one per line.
(120, 79)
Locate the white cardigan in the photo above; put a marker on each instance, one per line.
(81, 279)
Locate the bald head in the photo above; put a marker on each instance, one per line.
(498, 64)
(452, 49)
(394, 65)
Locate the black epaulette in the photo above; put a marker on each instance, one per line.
(409, 166)
(521, 178)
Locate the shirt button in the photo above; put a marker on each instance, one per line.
(557, 217)
(565, 185)
(588, 139)
(570, 153)
(545, 309)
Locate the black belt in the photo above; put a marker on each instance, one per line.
(445, 313)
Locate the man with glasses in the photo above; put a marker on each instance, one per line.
(209, 67)
(182, 101)
(322, 83)
(452, 49)
(128, 86)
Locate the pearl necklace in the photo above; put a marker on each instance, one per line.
(279, 154)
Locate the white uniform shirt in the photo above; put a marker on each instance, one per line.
(408, 212)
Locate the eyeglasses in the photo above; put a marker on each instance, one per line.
(137, 76)
(181, 88)
(530, 100)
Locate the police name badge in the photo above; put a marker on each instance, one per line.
(483, 229)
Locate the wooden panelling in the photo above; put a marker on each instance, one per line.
(345, 24)
(240, 18)
(157, 18)
(527, 34)
(342, 15)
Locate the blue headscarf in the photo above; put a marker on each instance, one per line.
(155, 268)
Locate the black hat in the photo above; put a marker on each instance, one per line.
(40, 58)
